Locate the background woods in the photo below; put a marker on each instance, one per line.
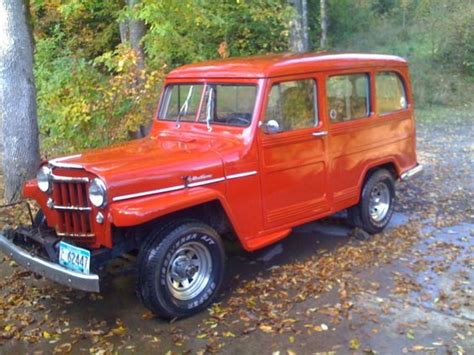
(99, 65)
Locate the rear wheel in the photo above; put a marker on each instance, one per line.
(181, 270)
(375, 208)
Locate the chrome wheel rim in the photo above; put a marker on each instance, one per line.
(189, 271)
(379, 202)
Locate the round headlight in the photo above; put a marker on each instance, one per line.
(98, 193)
(43, 177)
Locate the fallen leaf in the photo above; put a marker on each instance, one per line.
(354, 344)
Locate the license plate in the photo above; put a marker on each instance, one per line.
(74, 258)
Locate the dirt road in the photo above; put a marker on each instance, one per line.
(321, 290)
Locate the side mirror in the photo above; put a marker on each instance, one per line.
(271, 127)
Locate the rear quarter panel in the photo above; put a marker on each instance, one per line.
(359, 145)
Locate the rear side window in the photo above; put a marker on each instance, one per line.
(292, 105)
(348, 97)
(390, 91)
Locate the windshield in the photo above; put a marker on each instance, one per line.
(227, 104)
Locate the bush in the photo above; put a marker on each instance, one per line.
(90, 91)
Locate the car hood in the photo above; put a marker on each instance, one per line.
(150, 163)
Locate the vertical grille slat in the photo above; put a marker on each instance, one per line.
(58, 201)
(81, 201)
(66, 202)
(72, 193)
(76, 219)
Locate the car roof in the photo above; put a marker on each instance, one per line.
(274, 65)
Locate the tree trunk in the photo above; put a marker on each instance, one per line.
(324, 24)
(17, 98)
(304, 23)
(136, 30)
(132, 31)
(298, 41)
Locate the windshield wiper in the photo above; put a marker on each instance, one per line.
(184, 108)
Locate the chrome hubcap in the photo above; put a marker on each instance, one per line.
(189, 271)
(379, 202)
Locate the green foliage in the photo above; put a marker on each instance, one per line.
(66, 91)
(436, 36)
(92, 93)
(382, 7)
(192, 30)
(347, 17)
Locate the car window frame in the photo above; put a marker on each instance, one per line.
(252, 115)
(163, 101)
(371, 98)
(316, 103)
(404, 85)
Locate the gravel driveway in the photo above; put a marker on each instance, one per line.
(321, 290)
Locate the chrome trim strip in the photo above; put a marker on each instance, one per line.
(58, 162)
(180, 187)
(53, 271)
(66, 165)
(75, 235)
(71, 208)
(205, 182)
(236, 176)
(146, 193)
(411, 172)
(69, 178)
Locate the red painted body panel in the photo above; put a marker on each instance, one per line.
(275, 65)
(267, 184)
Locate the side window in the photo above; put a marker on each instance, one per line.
(390, 92)
(292, 105)
(348, 97)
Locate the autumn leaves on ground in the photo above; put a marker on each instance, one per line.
(322, 290)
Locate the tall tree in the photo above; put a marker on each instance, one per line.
(299, 38)
(17, 97)
(131, 32)
(324, 24)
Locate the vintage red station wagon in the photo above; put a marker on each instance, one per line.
(241, 148)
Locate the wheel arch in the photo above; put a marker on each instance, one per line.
(139, 216)
(389, 165)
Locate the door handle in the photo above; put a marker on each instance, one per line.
(320, 134)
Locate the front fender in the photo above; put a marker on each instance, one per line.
(137, 211)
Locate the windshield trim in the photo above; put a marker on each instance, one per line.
(164, 103)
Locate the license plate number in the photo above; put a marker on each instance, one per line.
(74, 258)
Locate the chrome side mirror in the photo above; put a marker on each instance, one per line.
(271, 127)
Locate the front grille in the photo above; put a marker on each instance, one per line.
(72, 205)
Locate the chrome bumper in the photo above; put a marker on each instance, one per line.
(412, 172)
(55, 272)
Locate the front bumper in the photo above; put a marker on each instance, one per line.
(411, 172)
(48, 269)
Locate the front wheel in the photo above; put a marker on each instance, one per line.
(375, 208)
(181, 271)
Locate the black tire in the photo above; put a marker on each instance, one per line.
(183, 252)
(364, 215)
(160, 232)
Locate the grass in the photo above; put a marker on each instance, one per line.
(463, 114)
(436, 80)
